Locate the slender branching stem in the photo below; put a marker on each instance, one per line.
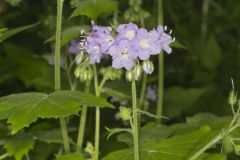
(160, 67)
(142, 95)
(57, 71)
(213, 141)
(135, 121)
(82, 121)
(97, 120)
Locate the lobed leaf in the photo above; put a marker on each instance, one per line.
(25, 108)
(94, 9)
(19, 145)
(8, 33)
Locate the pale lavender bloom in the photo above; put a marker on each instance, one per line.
(123, 54)
(146, 43)
(94, 50)
(152, 92)
(127, 31)
(164, 40)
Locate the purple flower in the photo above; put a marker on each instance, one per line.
(75, 47)
(123, 54)
(127, 31)
(164, 40)
(94, 50)
(146, 43)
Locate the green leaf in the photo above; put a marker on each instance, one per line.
(73, 156)
(20, 62)
(117, 89)
(212, 56)
(49, 136)
(150, 131)
(176, 148)
(176, 44)
(178, 99)
(94, 9)
(24, 109)
(117, 130)
(14, 31)
(19, 145)
(69, 34)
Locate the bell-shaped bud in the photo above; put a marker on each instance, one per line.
(77, 72)
(89, 75)
(232, 99)
(79, 58)
(148, 66)
(137, 72)
(89, 149)
(129, 75)
(83, 76)
(125, 113)
(110, 73)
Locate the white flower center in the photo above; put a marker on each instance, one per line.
(96, 49)
(130, 34)
(144, 43)
(109, 41)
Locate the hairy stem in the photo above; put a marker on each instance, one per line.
(82, 121)
(142, 95)
(57, 71)
(160, 67)
(213, 141)
(135, 121)
(97, 120)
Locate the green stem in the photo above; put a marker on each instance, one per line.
(205, 9)
(4, 156)
(82, 121)
(160, 67)
(213, 141)
(97, 120)
(57, 71)
(135, 121)
(142, 95)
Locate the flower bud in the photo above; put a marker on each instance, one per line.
(148, 66)
(137, 72)
(232, 100)
(129, 75)
(110, 73)
(125, 113)
(89, 149)
(77, 72)
(83, 76)
(79, 58)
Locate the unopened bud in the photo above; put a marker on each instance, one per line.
(232, 100)
(129, 75)
(77, 72)
(89, 149)
(137, 72)
(148, 66)
(79, 57)
(125, 113)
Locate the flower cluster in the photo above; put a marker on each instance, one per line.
(127, 46)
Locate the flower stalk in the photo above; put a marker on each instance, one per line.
(160, 67)
(82, 121)
(97, 116)
(57, 71)
(135, 121)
